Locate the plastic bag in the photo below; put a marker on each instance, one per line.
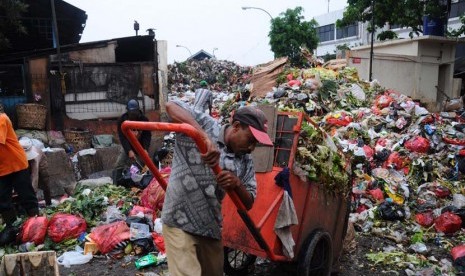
(139, 231)
(418, 144)
(153, 196)
(143, 246)
(34, 230)
(65, 226)
(113, 214)
(391, 211)
(448, 223)
(159, 242)
(102, 141)
(140, 211)
(109, 235)
(425, 219)
(76, 257)
(458, 255)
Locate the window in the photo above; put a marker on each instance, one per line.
(348, 31)
(326, 33)
(395, 26)
(457, 8)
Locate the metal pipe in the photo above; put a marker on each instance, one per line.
(190, 53)
(247, 8)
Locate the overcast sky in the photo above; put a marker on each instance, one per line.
(240, 35)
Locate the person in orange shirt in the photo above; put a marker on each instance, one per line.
(14, 174)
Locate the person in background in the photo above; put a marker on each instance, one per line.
(14, 175)
(203, 98)
(192, 208)
(127, 154)
(38, 168)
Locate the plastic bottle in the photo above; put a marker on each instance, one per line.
(145, 261)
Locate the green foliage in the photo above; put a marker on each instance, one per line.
(386, 35)
(289, 32)
(10, 20)
(406, 13)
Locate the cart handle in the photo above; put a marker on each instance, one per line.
(195, 135)
(183, 128)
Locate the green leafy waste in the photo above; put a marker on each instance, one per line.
(321, 162)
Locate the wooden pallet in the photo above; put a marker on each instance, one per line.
(42, 263)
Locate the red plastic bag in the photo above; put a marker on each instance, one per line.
(294, 83)
(396, 161)
(147, 212)
(109, 235)
(417, 144)
(383, 101)
(343, 120)
(153, 196)
(369, 152)
(424, 219)
(377, 194)
(159, 242)
(65, 226)
(34, 230)
(458, 252)
(448, 223)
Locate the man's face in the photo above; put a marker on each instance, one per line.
(133, 114)
(242, 140)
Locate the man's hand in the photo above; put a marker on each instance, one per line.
(131, 155)
(227, 180)
(212, 156)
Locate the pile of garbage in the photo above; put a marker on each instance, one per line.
(99, 219)
(406, 164)
(221, 75)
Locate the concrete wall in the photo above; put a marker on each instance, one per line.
(416, 67)
(95, 55)
(162, 47)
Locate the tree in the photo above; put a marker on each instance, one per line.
(10, 22)
(406, 13)
(289, 32)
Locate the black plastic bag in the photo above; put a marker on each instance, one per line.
(391, 211)
(143, 246)
(122, 177)
(144, 220)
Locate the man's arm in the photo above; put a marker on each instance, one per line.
(146, 136)
(180, 115)
(229, 181)
(122, 139)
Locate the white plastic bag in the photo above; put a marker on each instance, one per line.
(76, 257)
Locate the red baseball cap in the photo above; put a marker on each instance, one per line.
(257, 122)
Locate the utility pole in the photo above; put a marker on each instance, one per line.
(55, 34)
(328, 6)
(373, 28)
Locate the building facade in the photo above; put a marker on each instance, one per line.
(357, 35)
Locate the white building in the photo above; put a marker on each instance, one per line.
(356, 35)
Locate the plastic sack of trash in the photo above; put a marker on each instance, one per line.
(76, 257)
(34, 230)
(418, 144)
(143, 246)
(159, 242)
(141, 211)
(391, 211)
(425, 219)
(109, 235)
(153, 196)
(448, 223)
(65, 226)
(458, 255)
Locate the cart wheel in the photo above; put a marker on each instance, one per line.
(237, 263)
(316, 255)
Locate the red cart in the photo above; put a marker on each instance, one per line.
(322, 217)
